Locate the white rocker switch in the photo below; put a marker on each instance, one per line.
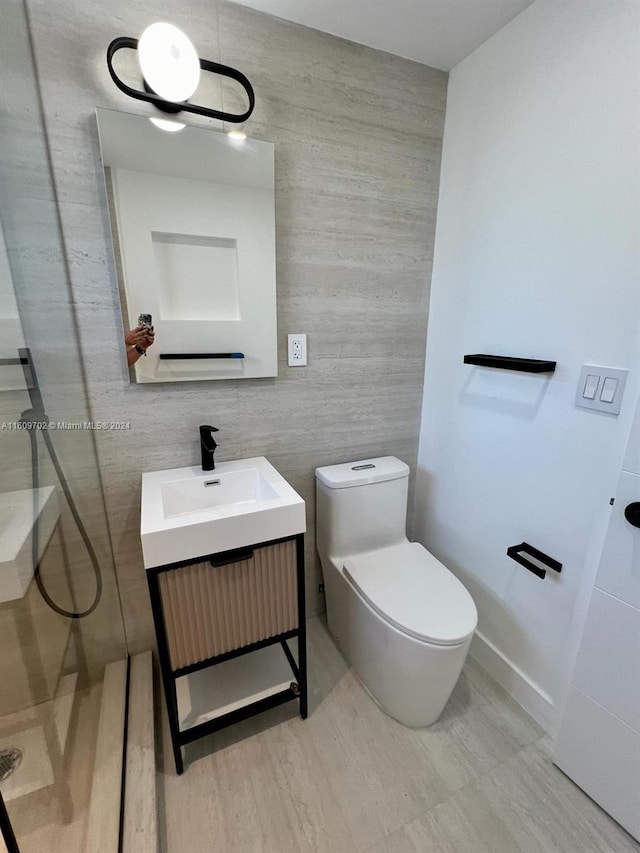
(591, 386)
(609, 388)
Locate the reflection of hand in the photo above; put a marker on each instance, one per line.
(137, 336)
(138, 341)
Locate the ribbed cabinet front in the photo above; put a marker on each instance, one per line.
(212, 610)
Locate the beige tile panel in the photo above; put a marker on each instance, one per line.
(140, 831)
(103, 823)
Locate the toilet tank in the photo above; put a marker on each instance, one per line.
(361, 506)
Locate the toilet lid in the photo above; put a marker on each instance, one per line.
(413, 591)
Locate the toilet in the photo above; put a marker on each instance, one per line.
(402, 620)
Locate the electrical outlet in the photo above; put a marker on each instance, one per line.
(297, 350)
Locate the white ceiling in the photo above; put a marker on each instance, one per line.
(435, 32)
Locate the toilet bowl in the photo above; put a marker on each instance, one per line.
(402, 620)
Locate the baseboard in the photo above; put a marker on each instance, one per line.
(529, 695)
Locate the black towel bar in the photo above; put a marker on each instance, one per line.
(519, 554)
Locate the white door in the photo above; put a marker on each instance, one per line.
(599, 741)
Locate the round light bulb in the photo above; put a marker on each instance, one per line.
(169, 62)
(166, 124)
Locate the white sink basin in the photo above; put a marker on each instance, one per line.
(17, 513)
(195, 494)
(188, 512)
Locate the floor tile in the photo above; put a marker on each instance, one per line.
(349, 779)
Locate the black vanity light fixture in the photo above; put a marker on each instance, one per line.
(171, 72)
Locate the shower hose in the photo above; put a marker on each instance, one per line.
(35, 421)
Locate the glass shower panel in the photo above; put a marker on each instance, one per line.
(60, 618)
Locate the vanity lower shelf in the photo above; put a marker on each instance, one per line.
(210, 694)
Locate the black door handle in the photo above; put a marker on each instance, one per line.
(632, 513)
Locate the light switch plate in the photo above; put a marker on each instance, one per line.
(585, 396)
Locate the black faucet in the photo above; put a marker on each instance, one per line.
(207, 447)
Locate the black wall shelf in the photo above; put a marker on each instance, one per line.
(507, 362)
(175, 356)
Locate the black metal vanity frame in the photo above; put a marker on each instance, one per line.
(298, 688)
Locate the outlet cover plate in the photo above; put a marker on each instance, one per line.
(297, 350)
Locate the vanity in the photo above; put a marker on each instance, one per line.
(193, 226)
(224, 556)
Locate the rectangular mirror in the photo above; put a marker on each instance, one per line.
(193, 225)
